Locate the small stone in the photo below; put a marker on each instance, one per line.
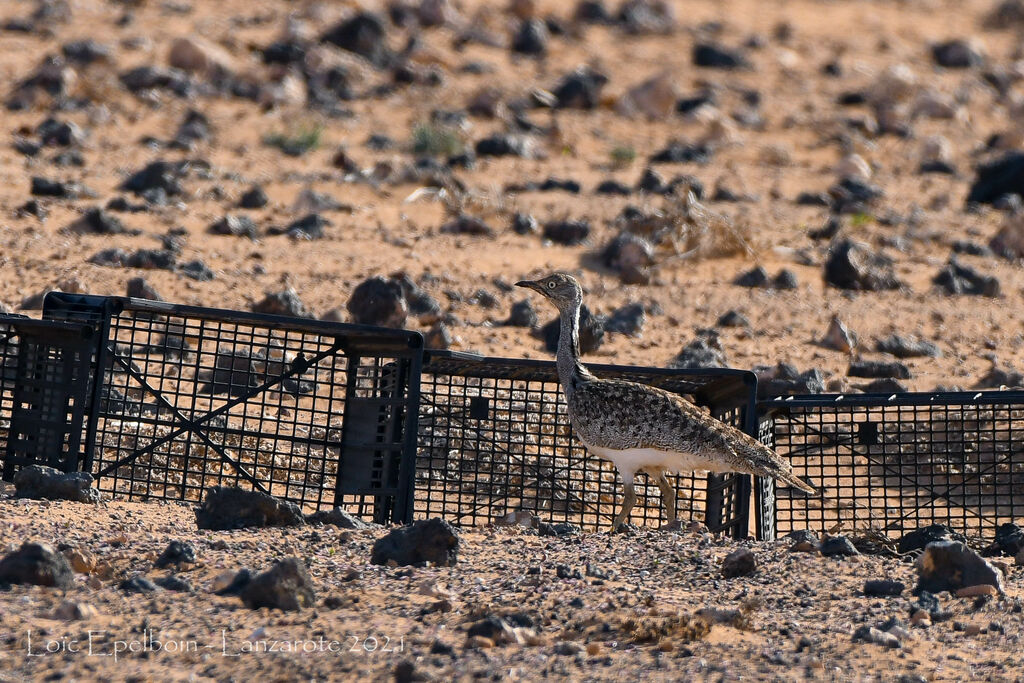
(705, 351)
(838, 546)
(479, 643)
(523, 314)
(174, 583)
(467, 225)
(956, 278)
(177, 553)
(285, 302)
(740, 562)
(628, 320)
(378, 301)
(838, 336)
(433, 540)
(567, 232)
(580, 89)
(230, 582)
(42, 482)
(956, 54)
(852, 265)
(531, 38)
(227, 508)
(285, 586)
(82, 561)
(918, 539)
(591, 331)
(976, 590)
(870, 634)
(949, 565)
(338, 517)
(878, 369)
(233, 224)
(70, 610)
(137, 584)
(253, 198)
(714, 56)
(733, 318)
(907, 347)
(37, 564)
(758, 278)
(525, 224)
(139, 288)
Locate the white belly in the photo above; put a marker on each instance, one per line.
(631, 460)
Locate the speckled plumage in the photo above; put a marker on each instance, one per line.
(640, 427)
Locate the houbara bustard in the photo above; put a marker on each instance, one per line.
(643, 428)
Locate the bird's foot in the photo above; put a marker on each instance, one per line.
(623, 528)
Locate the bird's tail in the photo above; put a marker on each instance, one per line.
(790, 479)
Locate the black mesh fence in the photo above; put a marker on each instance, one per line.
(183, 398)
(494, 438)
(896, 462)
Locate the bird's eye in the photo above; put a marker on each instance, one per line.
(551, 285)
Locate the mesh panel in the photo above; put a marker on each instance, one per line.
(319, 414)
(494, 437)
(895, 463)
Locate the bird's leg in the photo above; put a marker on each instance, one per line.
(668, 499)
(627, 502)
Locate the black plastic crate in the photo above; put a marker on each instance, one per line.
(494, 437)
(896, 462)
(44, 371)
(184, 398)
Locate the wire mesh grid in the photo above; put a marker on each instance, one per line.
(494, 438)
(308, 412)
(896, 463)
(44, 369)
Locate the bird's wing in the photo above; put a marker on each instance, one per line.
(622, 414)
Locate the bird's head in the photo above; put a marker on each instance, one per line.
(560, 289)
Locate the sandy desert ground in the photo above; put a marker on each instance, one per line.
(396, 137)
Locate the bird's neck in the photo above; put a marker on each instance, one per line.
(570, 370)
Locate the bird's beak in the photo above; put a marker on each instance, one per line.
(531, 284)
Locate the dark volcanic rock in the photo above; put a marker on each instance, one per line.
(174, 583)
(99, 222)
(138, 287)
(956, 278)
(464, 224)
(36, 564)
(682, 153)
(785, 380)
(876, 368)
(907, 347)
(157, 77)
(524, 224)
(591, 332)
(740, 562)
(42, 482)
(631, 256)
(431, 540)
(59, 133)
(164, 176)
(852, 265)
(718, 57)
(177, 553)
(641, 17)
(233, 508)
(732, 318)
(999, 178)
(838, 546)
(378, 301)
(338, 517)
(286, 586)
(363, 34)
(420, 303)
(503, 144)
(853, 196)
(613, 187)
(43, 187)
(309, 227)
(254, 198)
(705, 351)
(919, 538)
(232, 224)
(949, 566)
(956, 54)
(567, 232)
(137, 584)
(285, 302)
(1009, 540)
(531, 38)
(580, 89)
(629, 319)
(86, 51)
(757, 277)
(523, 314)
